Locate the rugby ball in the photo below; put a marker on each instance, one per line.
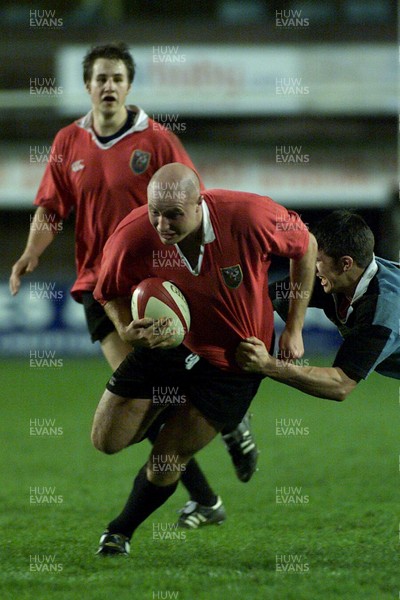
(155, 298)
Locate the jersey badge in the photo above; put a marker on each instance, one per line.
(77, 165)
(233, 276)
(140, 161)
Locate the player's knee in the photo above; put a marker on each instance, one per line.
(110, 442)
(341, 395)
(107, 447)
(163, 477)
(104, 443)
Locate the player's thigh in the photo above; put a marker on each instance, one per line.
(114, 349)
(185, 432)
(119, 421)
(130, 402)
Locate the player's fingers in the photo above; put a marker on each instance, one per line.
(283, 354)
(22, 266)
(15, 284)
(244, 362)
(244, 356)
(290, 354)
(163, 322)
(245, 350)
(254, 341)
(139, 323)
(246, 345)
(167, 340)
(15, 280)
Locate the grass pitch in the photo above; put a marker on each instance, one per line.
(320, 520)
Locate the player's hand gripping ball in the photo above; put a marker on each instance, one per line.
(155, 298)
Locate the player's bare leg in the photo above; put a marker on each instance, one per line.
(114, 349)
(185, 432)
(183, 435)
(119, 422)
(239, 441)
(202, 496)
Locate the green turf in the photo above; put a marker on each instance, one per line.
(343, 533)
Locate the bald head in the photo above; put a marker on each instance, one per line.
(173, 182)
(174, 202)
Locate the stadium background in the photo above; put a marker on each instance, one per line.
(296, 100)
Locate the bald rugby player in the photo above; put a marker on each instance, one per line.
(225, 240)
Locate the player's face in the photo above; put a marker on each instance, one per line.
(109, 86)
(174, 220)
(333, 277)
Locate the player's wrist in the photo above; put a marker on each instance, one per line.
(126, 334)
(294, 324)
(31, 251)
(271, 366)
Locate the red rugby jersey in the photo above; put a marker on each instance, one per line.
(228, 299)
(102, 183)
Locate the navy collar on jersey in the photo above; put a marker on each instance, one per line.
(361, 288)
(104, 139)
(140, 123)
(208, 236)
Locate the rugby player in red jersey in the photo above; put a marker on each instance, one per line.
(108, 159)
(225, 241)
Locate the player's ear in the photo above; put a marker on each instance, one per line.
(347, 263)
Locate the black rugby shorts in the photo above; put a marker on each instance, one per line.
(98, 323)
(162, 376)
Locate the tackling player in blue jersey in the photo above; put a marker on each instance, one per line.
(360, 294)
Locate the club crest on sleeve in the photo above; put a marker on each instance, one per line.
(233, 276)
(140, 160)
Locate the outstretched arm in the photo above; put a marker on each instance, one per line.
(331, 383)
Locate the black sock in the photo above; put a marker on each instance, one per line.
(143, 500)
(197, 485)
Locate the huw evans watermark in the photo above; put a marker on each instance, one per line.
(168, 395)
(44, 495)
(291, 563)
(44, 563)
(289, 495)
(168, 54)
(168, 531)
(166, 463)
(290, 428)
(44, 428)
